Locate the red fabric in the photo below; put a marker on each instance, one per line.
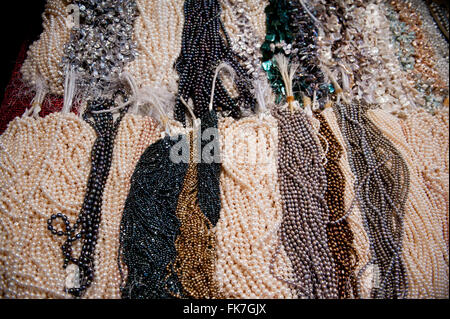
(18, 96)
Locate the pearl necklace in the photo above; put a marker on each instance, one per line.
(44, 55)
(305, 214)
(251, 212)
(428, 136)
(205, 45)
(39, 181)
(425, 251)
(149, 226)
(382, 191)
(135, 134)
(79, 259)
(355, 219)
(340, 236)
(157, 32)
(195, 244)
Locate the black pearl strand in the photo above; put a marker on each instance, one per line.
(85, 229)
(205, 44)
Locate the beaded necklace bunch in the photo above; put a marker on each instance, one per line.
(134, 135)
(305, 214)
(44, 55)
(315, 93)
(157, 33)
(86, 226)
(47, 178)
(425, 247)
(205, 44)
(99, 31)
(196, 244)
(292, 31)
(381, 188)
(338, 190)
(245, 25)
(416, 55)
(149, 225)
(382, 176)
(340, 236)
(101, 45)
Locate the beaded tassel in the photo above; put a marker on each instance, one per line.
(291, 31)
(196, 243)
(209, 172)
(381, 188)
(149, 226)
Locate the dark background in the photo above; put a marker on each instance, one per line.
(21, 22)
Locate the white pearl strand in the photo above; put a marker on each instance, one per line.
(50, 174)
(45, 54)
(424, 247)
(16, 161)
(157, 32)
(360, 240)
(251, 213)
(428, 136)
(135, 134)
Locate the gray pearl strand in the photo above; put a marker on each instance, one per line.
(102, 44)
(305, 214)
(381, 187)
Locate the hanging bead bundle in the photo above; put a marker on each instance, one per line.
(312, 163)
(205, 44)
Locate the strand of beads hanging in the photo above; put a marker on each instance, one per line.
(290, 30)
(340, 235)
(278, 40)
(209, 168)
(101, 44)
(85, 230)
(195, 244)
(381, 187)
(303, 231)
(149, 225)
(205, 45)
